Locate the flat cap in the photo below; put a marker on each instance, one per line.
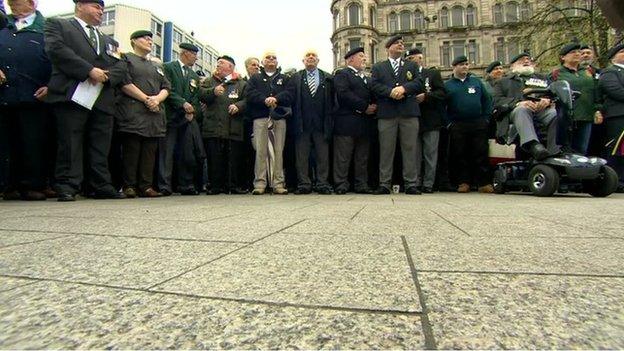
(227, 58)
(493, 65)
(140, 34)
(519, 56)
(413, 51)
(189, 47)
(353, 52)
(101, 2)
(614, 50)
(459, 59)
(569, 47)
(393, 40)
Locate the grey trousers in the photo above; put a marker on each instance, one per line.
(429, 143)
(407, 131)
(344, 148)
(261, 142)
(523, 120)
(321, 151)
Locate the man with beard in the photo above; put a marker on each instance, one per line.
(513, 108)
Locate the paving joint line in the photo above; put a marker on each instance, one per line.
(358, 212)
(19, 286)
(36, 241)
(110, 217)
(430, 342)
(539, 274)
(451, 223)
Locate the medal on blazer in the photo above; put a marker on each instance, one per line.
(410, 76)
(193, 84)
(113, 51)
(160, 71)
(280, 81)
(427, 85)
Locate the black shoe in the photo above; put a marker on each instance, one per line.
(189, 192)
(427, 190)
(239, 191)
(538, 151)
(413, 190)
(165, 192)
(303, 191)
(381, 191)
(12, 195)
(324, 191)
(65, 197)
(32, 195)
(213, 191)
(109, 195)
(363, 191)
(340, 191)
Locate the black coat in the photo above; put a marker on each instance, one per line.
(295, 89)
(432, 109)
(384, 80)
(72, 56)
(353, 95)
(612, 89)
(259, 87)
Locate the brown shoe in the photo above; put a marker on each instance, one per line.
(486, 189)
(130, 192)
(32, 195)
(49, 193)
(463, 188)
(11, 195)
(149, 192)
(280, 191)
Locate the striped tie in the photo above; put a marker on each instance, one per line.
(395, 67)
(92, 37)
(312, 83)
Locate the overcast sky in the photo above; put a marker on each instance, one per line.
(242, 28)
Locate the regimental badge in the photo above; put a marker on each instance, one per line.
(113, 51)
(280, 81)
(410, 76)
(534, 82)
(427, 85)
(160, 71)
(193, 83)
(597, 76)
(472, 90)
(233, 94)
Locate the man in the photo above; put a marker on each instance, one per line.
(80, 53)
(266, 93)
(612, 88)
(24, 120)
(469, 107)
(432, 108)
(222, 128)
(512, 107)
(493, 72)
(252, 66)
(183, 115)
(587, 60)
(353, 121)
(395, 83)
(312, 97)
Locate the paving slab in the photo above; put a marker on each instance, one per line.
(11, 238)
(483, 311)
(323, 270)
(66, 316)
(124, 262)
(7, 284)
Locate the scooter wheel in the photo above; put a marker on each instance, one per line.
(499, 183)
(604, 185)
(543, 180)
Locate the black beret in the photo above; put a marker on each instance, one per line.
(584, 47)
(413, 51)
(459, 59)
(569, 47)
(227, 58)
(393, 40)
(189, 47)
(353, 52)
(614, 50)
(101, 2)
(493, 65)
(141, 33)
(519, 56)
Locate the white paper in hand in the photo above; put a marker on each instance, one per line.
(86, 94)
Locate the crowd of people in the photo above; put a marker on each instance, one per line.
(154, 129)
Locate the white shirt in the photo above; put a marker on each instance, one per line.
(87, 31)
(619, 65)
(394, 62)
(26, 21)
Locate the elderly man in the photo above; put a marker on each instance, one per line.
(612, 88)
(312, 97)
(183, 112)
(395, 83)
(24, 121)
(81, 53)
(493, 72)
(252, 66)
(512, 107)
(266, 95)
(223, 129)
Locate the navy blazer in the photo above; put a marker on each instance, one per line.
(353, 95)
(612, 88)
(295, 89)
(384, 80)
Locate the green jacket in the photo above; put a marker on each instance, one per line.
(182, 90)
(586, 105)
(218, 123)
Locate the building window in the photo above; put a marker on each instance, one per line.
(354, 43)
(459, 48)
(445, 53)
(444, 19)
(457, 16)
(157, 51)
(473, 51)
(354, 14)
(498, 14)
(513, 47)
(177, 37)
(419, 20)
(200, 54)
(373, 49)
(337, 55)
(372, 14)
(525, 11)
(499, 50)
(336, 20)
(511, 12)
(108, 18)
(422, 48)
(393, 25)
(157, 28)
(471, 16)
(405, 20)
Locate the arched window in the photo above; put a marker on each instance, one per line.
(457, 16)
(511, 11)
(393, 24)
(419, 20)
(525, 11)
(471, 16)
(405, 20)
(354, 14)
(498, 14)
(372, 14)
(336, 20)
(444, 18)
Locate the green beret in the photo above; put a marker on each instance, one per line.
(459, 59)
(519, 56)
(569, 47)
(227, 58)
(90, 1)
(353, 52)
(189, 47)
(584, 47)
(493, 65)
(614, 50)
(393, 40)
(140, 34)
(412, 52)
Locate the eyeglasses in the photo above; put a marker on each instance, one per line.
(270, 58)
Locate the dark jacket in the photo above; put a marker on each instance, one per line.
(612, 89)
(353, 95)
(468, 100)
(218, 123)
(432, 109)
(183, 89)
(586, 105)
(3, 20)
(24, 62)
(72, 56)
(296, 89)
(260, 87)
(132, 115)
(384, 80)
